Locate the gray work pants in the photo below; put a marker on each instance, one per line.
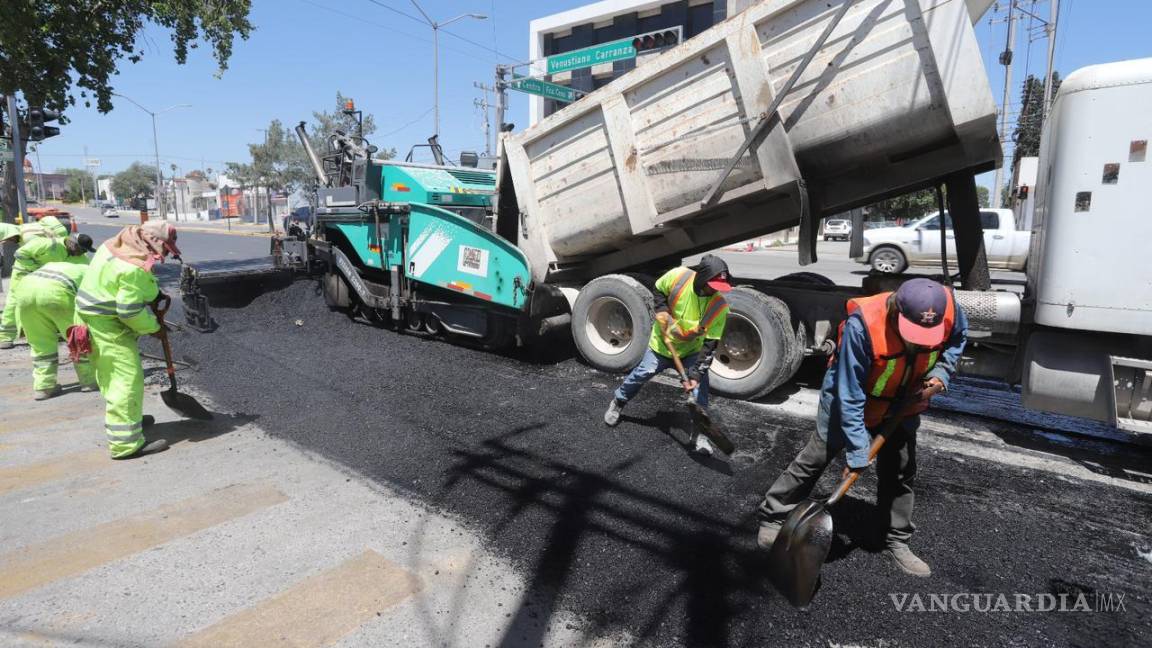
(895, 470)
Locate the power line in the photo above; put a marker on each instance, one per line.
(445, 31)
(393, 132)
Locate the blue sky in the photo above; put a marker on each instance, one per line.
(304, 51)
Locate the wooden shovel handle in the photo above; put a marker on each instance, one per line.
(675, 356)
(873, 450)
(160, 307)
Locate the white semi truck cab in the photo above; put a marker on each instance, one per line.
(1086, 339)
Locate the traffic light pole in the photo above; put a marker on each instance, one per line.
(17, 156)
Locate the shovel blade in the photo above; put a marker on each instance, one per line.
(185, 405)
(708, 428)
(799, 552)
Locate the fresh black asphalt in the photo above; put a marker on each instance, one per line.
(628, 530)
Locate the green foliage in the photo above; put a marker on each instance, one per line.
(982, 196)
(79, 184)
(1030, 122)
(906, 207)
(137, 181)
(46, 46)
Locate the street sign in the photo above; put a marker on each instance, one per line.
(544, 89)
(616, 50)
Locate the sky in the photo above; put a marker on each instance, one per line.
(303, 52)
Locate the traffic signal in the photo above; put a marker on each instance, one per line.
(655, 40)
(37, 117)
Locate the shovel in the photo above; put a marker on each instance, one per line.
(700, 418)
(182, 404)
(806, 536)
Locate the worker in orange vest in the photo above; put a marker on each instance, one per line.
(895, 347)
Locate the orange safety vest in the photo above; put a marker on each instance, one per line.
(890, 372)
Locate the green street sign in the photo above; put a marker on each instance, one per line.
(617, 50)
(544, 89)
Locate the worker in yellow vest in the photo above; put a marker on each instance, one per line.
(896, 351)
(690, 307)
(47, 309)
(113, 301)
(34, 252)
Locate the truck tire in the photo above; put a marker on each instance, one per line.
(611, 321)
(336, 293)
(760, 350)
(888, 260)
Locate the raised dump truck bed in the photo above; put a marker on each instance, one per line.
(893, 97)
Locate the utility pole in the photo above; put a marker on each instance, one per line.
(1050, 28)
(94, 164)
(1006, 61)
(83, 199)
(436, 57)
(501, 101)
(40, 175)
(483, 104)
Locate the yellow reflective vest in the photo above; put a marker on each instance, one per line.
(695, 318)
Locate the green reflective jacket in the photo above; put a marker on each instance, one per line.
(47, 226)
(8, 230)
(114, 288)
(55, 282)
(36, 252)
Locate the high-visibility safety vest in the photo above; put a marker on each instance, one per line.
(114, 288)
(49, 226)
(57, 281)
(891, 375)
(696, 318)
(36, 252)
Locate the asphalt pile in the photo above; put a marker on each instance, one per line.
(628, 529)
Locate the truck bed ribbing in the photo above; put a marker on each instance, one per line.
(895, 98)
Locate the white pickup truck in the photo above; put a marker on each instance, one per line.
(893, 249)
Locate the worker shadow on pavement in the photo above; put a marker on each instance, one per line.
(674, 420)
(705, 567)
(187, 430)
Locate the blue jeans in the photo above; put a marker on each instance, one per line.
(653, 363)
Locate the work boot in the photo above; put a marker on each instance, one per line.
(703, 446)
(152, 447)
(766, 536)
(906, 561)
(612, 416)
(45, 394)
(7, 344)
(89, 388)
(147, 421)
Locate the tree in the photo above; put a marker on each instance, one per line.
(982, 195)
(136, 182)
(1030, 122)
(79, 181)
(46, 46)
(908, 206)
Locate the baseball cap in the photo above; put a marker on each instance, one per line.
(719, 283)
(85, 243)
(921, 304)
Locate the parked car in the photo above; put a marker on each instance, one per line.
(893, 249)
(837, 229)
(111, 212)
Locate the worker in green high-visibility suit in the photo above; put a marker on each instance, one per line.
(46, 307)
(35, 250)
(113, 301)
(48, 226)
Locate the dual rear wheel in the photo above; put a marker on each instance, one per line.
(761, 348)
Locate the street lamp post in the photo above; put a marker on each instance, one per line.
(156, 148)
(436, 57)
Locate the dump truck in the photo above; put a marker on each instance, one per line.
(785, 113)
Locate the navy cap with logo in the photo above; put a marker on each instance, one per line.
(921, 304)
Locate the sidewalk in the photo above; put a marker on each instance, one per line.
(230, 538)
